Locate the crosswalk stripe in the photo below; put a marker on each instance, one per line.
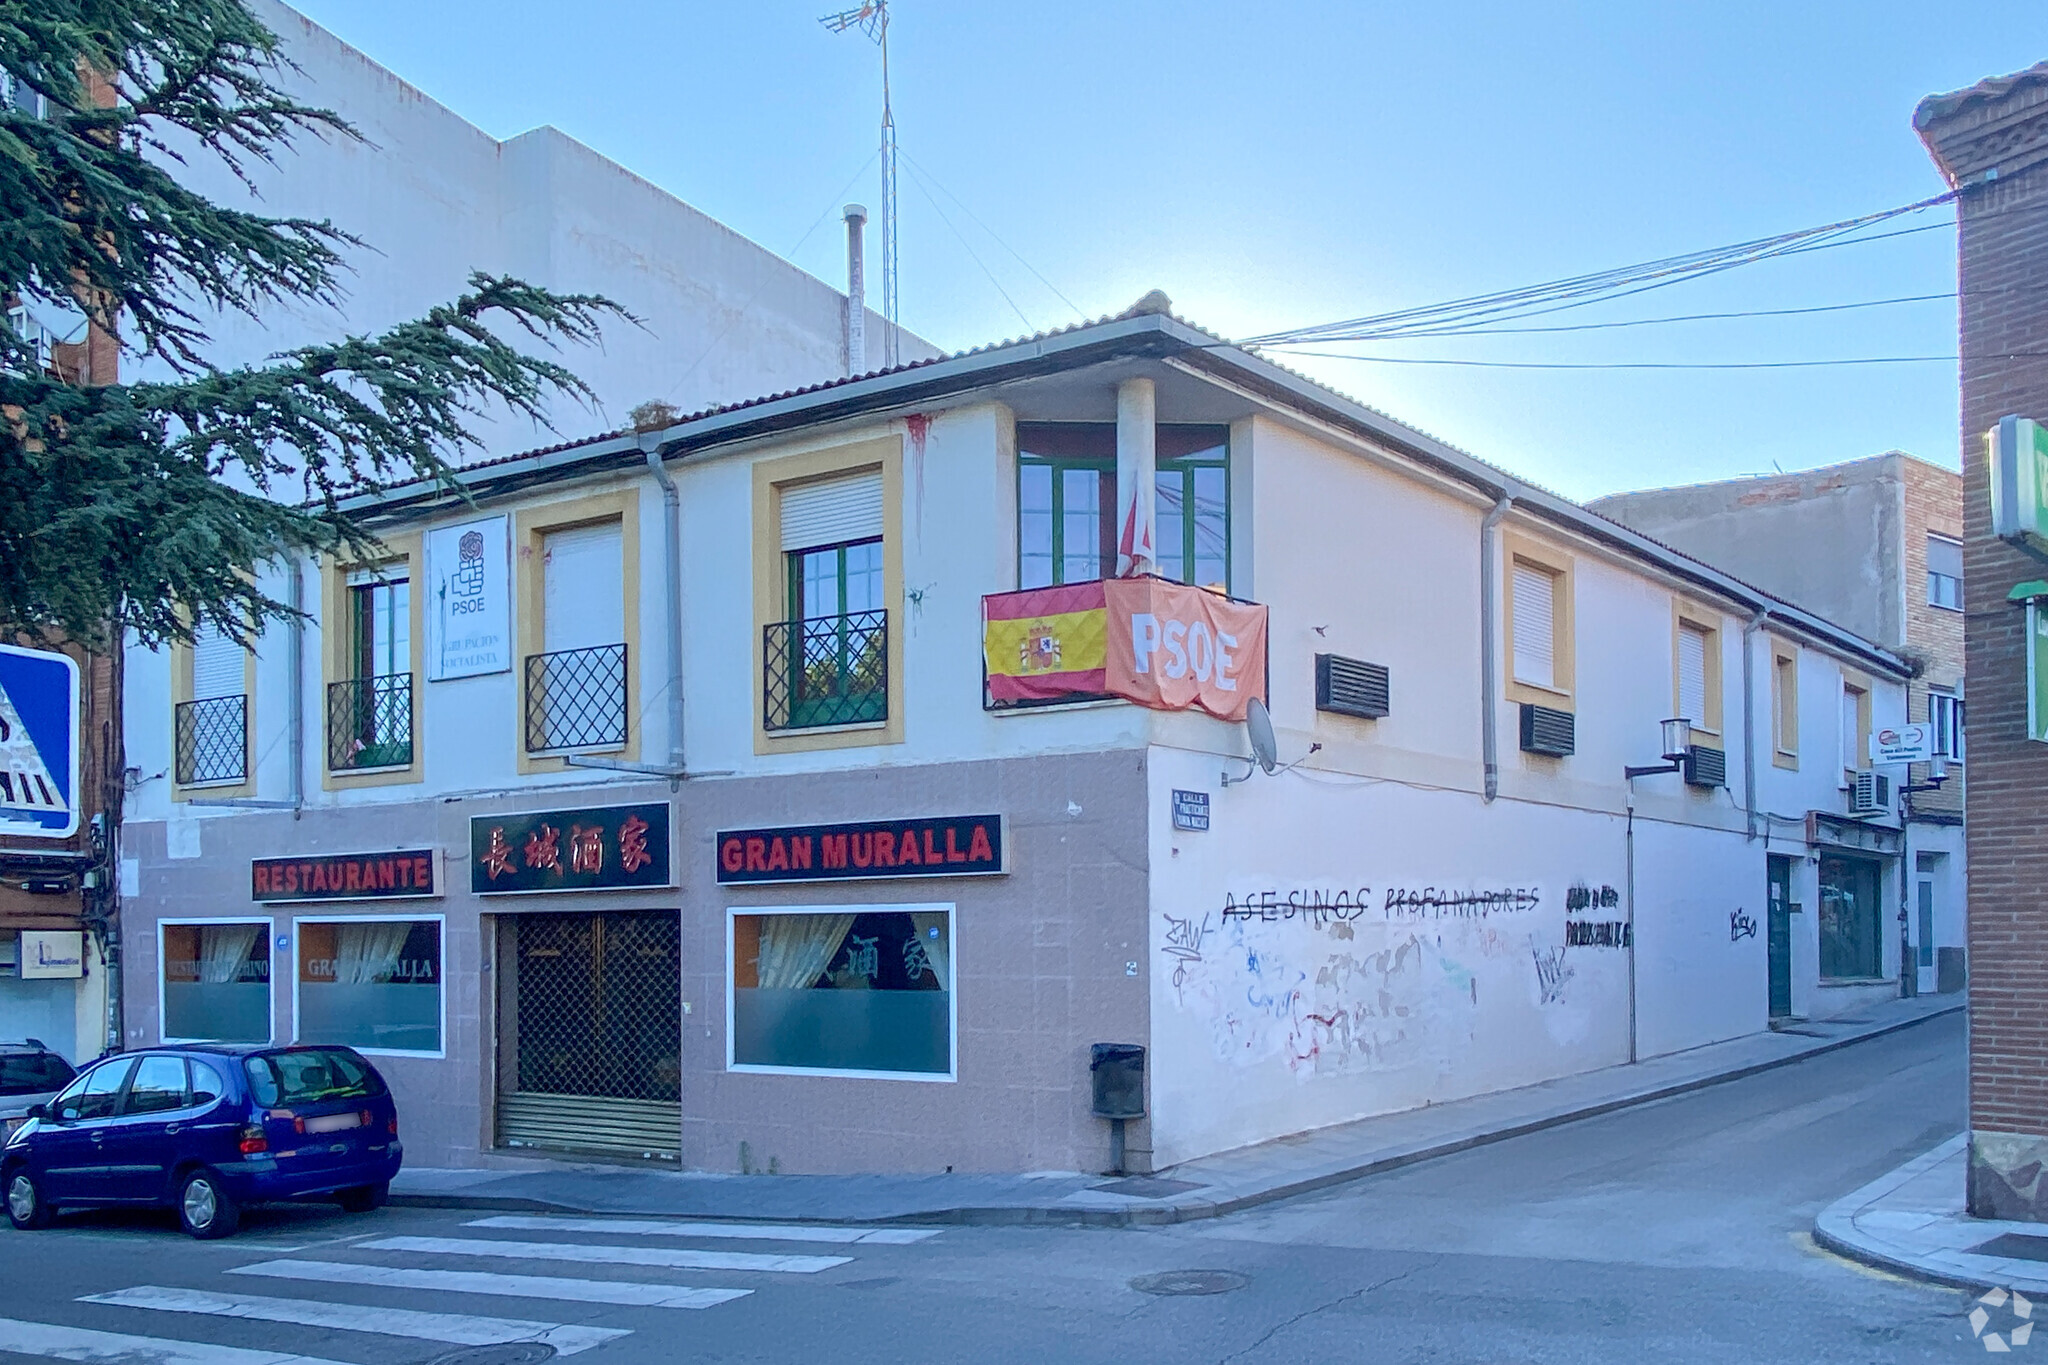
(118, 1348)
(750, 1232)
(457, 1328)
(678, 1258)
(503, 1286)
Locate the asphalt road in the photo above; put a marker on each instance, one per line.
(1672, 1232)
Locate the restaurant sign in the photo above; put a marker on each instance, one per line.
(938, 846)
(605, 848)
(391, 875)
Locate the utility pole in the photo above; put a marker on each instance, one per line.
(872, 18)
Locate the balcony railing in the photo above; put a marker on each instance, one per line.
(576, 699)
(828, 670)
(369, 723)
(212, 740)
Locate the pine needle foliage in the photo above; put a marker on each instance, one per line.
(143, 506)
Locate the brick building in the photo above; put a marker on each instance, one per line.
(1991, 143)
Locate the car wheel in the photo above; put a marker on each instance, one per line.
(26, 1207)
(205, 1209)
(364, 1198)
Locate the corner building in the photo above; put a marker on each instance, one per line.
(786, 807)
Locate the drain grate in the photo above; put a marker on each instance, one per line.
(1190, 1282)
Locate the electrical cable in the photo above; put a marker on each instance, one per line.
(972, 216)
(1653, 364)
(917, 178)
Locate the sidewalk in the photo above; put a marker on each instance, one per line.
(1912, 1221)
(1206, 1188)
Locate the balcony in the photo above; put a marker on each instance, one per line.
(828, 670)
(369, 723)
(212, 741)
(576, 700)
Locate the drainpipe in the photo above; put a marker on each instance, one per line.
(672, 591)
(1489, 663)
(1630, 928)
(1749, 631)
(295, 708)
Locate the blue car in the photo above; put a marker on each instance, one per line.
(205, 1130)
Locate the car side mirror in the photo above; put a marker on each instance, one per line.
(38, 1111)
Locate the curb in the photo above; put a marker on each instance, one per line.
(1834, 1230)
(1194, 1208)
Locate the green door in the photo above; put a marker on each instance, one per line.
(1780, 936)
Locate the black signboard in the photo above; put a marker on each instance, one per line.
(940, 846)
(1190, 810)
(391, 875)
(602, 849)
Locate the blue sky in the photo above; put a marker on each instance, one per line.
(1277, 165)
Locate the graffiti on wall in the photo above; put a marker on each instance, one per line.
(1740, 926)
(1320, 905)
(1552, 972)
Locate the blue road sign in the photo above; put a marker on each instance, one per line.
(39, 704)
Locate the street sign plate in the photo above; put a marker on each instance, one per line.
(1190, 810)
(39, 705)
(1901, 744)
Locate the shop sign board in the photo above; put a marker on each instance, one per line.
(1901, 744)
(395, 874)
(469, 600)
(52, 954)
(2019, 483)
(39, 705)
(602, 848)
(930, 846)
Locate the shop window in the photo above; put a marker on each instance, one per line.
(216, 981)
(1850, 946)
(861, 989)
(1067, 508)
(370, 984)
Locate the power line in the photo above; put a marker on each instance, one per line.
(1653, 364)
(1488, 331)
(917, 178)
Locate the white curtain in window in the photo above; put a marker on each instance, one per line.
(939, 949)
(222, 950)
(1692, 673)
(796, 949)
(1535, 594)
(367, 953)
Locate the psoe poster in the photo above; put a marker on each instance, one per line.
(38, 743)
(469, 600)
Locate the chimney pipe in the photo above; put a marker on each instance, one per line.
(856, 292)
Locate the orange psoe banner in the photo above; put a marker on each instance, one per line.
(1173, 647)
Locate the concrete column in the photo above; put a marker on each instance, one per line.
(1137, 467)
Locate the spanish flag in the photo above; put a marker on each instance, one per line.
(1046, 642)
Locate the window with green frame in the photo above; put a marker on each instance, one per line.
(1066, 503)
(840, 641)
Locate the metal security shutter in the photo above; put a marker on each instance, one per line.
(582, 600)
(1692, 673)
(583, 1123)
(216, 663)
(1535, 593)
(832, 512)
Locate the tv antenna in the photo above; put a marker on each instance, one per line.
(872, 18)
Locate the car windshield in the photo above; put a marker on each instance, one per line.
(33, 1073)
(310, 1074)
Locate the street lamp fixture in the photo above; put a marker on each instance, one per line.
(1677, 743)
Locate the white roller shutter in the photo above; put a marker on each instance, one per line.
(582, 596)
(832, 512)
(1692, 673)
(1535, 593)
(216, 664)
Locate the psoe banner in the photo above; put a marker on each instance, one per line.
(1172, 647)
(469, 600)
(38, 743)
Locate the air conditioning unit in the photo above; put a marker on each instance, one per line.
(1548, 731)
(1870, 794)
(1351, 687)
(1705, 767)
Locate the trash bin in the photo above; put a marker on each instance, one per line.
(1118, 1070)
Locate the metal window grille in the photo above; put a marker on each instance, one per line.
(827, 670)
(212, 739)
(369, 722)
(576, 699)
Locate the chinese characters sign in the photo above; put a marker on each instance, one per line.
(469, 606)
(945, 846)
(607, 848)
(345, 876)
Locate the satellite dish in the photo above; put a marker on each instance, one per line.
(1258, 723)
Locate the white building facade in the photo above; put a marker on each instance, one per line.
(709, 845)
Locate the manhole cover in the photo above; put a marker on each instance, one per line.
(511, 1353)
(1190, 1282)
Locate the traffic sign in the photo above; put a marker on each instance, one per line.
(39, 707)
